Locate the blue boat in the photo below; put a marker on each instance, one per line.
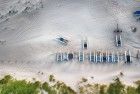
(92, 57)
(98, 57)
(81, 57)
(70, 56)
(110, 58)
(116, 58)
(136, 13)
(104, 57)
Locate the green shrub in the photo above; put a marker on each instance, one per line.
(51, 78)
(131, 90)
(102, 89)
(116, 88)
(48, 89)
(11, 86)
(6, 79)
(8, 85)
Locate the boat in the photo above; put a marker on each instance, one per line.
(128, 57)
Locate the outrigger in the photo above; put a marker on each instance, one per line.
(70, 56)
(92, 57)
(116, 58)
(98, 56)
(81, 57)
(138, 54)
(110, 57)
(118, 41)
(128, 57)
(62, 40)
(136, 14)
(104, 57)
(95, 56)
(59, 57)
(65, 56)
(84, 44)
(117, 30)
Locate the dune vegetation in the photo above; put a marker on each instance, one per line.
(9, 85)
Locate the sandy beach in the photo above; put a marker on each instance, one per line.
(31, 47)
